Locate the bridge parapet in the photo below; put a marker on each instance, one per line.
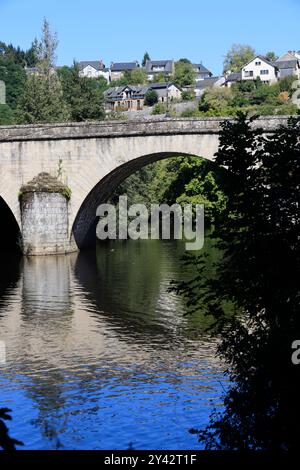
(165, 126)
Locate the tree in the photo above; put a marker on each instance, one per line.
(42, 101)
(18, 56)
(138, 77)
(216, 101)
(187, 95)
(14, 77)
(271, 56)
(6, 115)
(195, 181)
(184, 73)
(83, 95)
(254, 294)
(237, 56)
(151, 97)
(46, 50)
(145, 58)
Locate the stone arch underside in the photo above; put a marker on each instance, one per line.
(84, 227)
(10, 233)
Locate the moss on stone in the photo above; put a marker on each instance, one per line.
(45, 183)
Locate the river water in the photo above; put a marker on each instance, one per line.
(100, 355)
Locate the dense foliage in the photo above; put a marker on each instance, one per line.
(13, 74)
(249, 96)
(42, 101)
(237, 56)
(82, 95)
(259, 275)
(184, 74)
(151, 98)
(185, 180)
(49, 94)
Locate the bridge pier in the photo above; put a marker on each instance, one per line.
(44, 215)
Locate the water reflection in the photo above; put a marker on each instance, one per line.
(99, 353)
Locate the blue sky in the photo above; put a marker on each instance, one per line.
(117, 30)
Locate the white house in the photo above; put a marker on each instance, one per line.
(93, 69)
(262, 68)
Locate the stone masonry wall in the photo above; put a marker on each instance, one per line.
(45, 224)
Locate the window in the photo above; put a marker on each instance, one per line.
(258, 62)
(248, 73)
(264, 72)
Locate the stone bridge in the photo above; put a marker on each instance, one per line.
(91, 159)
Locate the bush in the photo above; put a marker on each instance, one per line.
(159, 108)
(151, 98)
(190, 113)
(6, 115)
(187, 95)
(286, 84)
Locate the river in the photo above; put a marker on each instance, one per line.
(100, 355)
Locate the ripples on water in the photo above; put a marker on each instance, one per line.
(100, 354)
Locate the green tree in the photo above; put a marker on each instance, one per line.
(6, 115)
(271, 56)
(138, 77)
(31, 55)
(83, 95)
(18, 56)
(216, 101)
(151, 97)
(12, 63)
(195, 181)
(14, 77)
(187, 95)
(237, 57)
(184, 73)
(145, 58)
(258, 275)
(159, 108)
(42, 101)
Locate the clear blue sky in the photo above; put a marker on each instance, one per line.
(116, 30)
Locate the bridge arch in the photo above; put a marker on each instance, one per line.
(10, 233)
(84, 227)
(92, 157)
